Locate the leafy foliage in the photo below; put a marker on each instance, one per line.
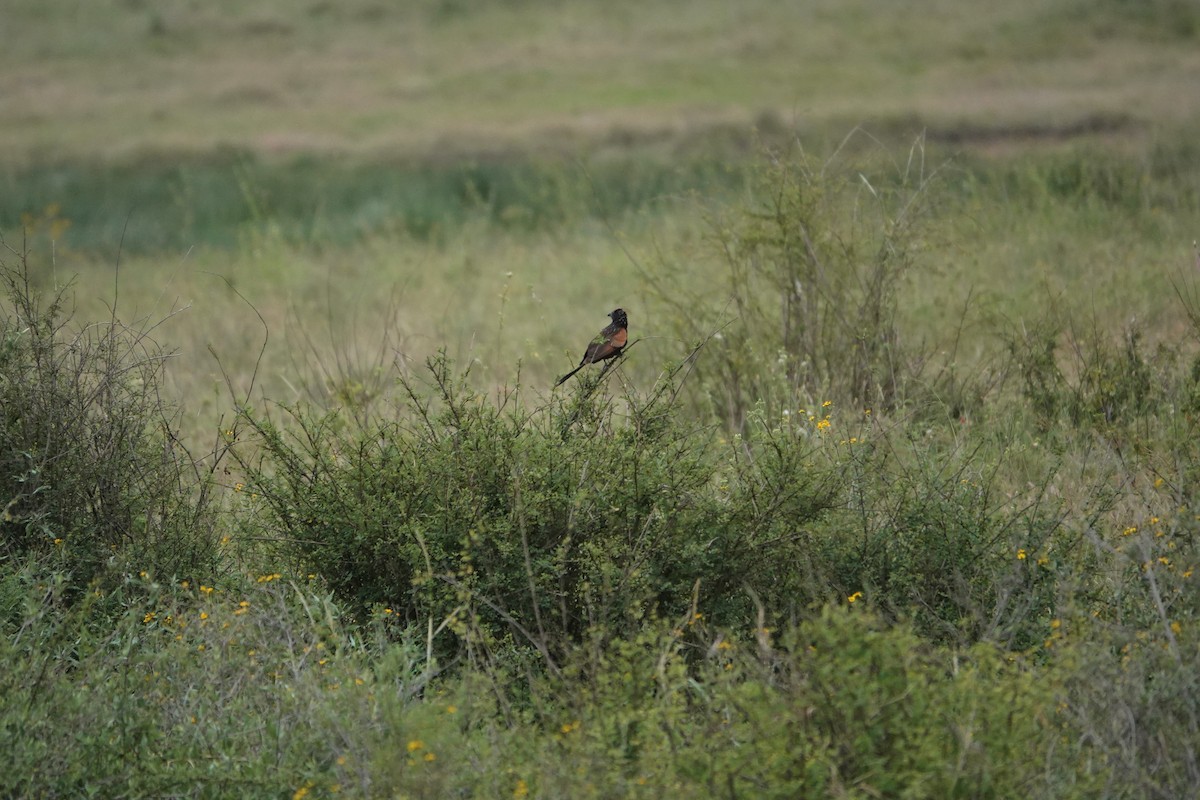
(90, 467)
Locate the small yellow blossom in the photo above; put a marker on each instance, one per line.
(1132, 529)
(303, 791)
(414, 745)
(451, 709)
(522, 789)
(206, 589)
(1021, 554)
(430, 757)
(854, 598)
(1176, 628)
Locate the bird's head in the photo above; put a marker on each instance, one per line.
(619, 318)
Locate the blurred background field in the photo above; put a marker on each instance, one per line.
(912, 408)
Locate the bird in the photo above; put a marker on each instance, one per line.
(608, 343)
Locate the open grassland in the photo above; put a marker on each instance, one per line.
(895, 493)
(115, 78)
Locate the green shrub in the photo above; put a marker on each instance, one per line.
(842, 705)
(930, 535)
(811, 266)
(496, 524)
(90, 467)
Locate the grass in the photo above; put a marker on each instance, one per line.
(894, 494)
(430, 79)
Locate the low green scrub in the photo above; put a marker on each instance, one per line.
(91, 470)
(266, 690)
(492, 523)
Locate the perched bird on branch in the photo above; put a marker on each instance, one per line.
(607, 344)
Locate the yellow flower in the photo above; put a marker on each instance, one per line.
(451, 709)
(430, 757)
(1021, 554)
(302, 792)
(203, 615)
(1176, 628)
(854, 598)
(522, 789)
(1132, 529)
(414, 745)
(824, 424)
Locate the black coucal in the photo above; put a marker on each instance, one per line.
(608, 343)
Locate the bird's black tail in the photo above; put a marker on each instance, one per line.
(563, 379)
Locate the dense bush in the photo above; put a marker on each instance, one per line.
(534, 525)
(91, 470)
